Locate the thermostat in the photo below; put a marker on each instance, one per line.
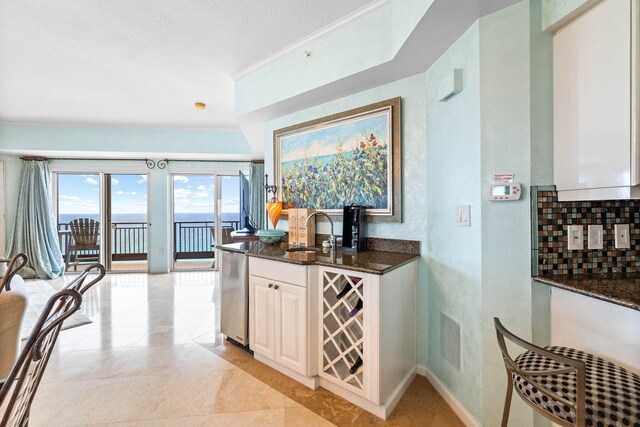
(500, 192)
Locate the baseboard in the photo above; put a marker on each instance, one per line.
(311, 382)
(458, 408)
(381, 411)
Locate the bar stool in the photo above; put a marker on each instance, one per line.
(568, 386)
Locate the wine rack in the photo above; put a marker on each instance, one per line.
(342, 340)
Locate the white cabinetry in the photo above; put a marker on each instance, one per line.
(598, 327)
(382, 334)
(280, 322)
(298, 326)
(596, 147)
(262, 317)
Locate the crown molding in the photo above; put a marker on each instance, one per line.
(355, 15)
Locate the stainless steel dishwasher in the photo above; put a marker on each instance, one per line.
(234, 281)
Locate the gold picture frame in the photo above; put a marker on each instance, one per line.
(352, 157)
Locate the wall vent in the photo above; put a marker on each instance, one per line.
(450, 340)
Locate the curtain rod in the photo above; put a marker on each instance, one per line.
(151, 164)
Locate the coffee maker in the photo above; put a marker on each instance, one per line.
(354, 228)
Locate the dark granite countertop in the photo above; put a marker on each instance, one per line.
(616, 288)
(374, 262)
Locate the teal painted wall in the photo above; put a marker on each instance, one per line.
(371, 40)
(506, 148)
(554, 11)
(357, 46)
(500, 122)
(123, 140)
(414, 161)
(454, 256)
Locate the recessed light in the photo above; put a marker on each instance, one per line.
(200, 105)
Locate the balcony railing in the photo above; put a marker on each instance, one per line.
(191, 240)
(194, 240)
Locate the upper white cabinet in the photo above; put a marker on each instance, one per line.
(595, 67)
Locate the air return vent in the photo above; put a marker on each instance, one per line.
(450, 86)
(450, 340)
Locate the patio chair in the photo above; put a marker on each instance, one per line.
(85, 235)
(568, 386)
(18, 390)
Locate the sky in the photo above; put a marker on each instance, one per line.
(322, 142)
(80, 194)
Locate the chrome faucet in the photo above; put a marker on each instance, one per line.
(332, 237)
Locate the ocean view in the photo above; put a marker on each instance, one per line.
(133, 217)
(190, 236)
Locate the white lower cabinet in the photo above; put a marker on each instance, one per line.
(262, 317)
(350, 332)
(279, 317)
(368, 335)
(280, 322)
(291, 327)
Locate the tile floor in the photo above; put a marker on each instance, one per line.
(146, 361)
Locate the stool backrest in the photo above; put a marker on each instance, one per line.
(576, 366)
(19, 389)
(16, 263)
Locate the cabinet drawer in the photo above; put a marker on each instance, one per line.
(280, 271)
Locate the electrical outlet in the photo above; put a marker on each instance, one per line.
(595, 237)
(622, 236)
(574, 237)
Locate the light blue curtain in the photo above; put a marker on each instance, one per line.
(34, 231)
(257, 198)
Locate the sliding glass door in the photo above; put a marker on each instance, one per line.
(194, 205)
(78, 202)
(102, 217)
(126, 219)
(205, 213)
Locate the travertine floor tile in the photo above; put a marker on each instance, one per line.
(154, 356)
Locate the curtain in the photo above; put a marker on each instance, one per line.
(34, 230)
(257, 197)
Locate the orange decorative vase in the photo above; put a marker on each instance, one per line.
(274, 210)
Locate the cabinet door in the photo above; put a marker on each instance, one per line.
(592, 99)
(291, 327)
(261, 317)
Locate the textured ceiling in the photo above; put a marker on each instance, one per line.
(142, 62)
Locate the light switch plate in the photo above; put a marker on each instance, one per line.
(595, 237)
(574, 237)
(463, 216)
(623, 240)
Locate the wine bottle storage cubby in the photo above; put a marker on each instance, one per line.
(343, 328)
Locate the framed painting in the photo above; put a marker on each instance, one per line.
(349, 158)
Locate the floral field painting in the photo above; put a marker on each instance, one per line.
(340, 162)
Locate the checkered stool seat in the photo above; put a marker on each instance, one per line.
(612, 395)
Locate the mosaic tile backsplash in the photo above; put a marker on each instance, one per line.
(553, 216)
